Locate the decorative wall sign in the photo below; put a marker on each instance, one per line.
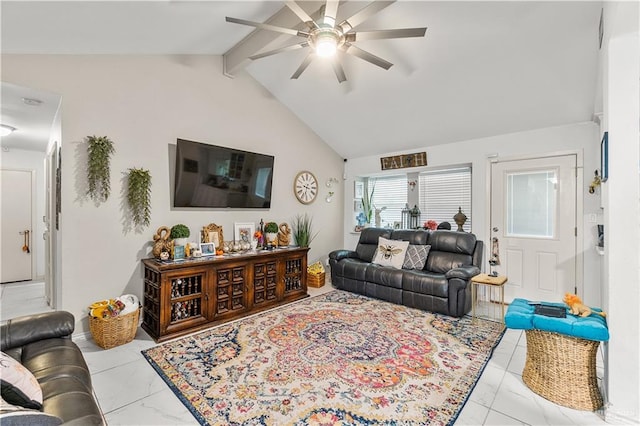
(417, 159)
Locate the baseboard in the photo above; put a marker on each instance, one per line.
(622, 418)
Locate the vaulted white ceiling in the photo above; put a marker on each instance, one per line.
(484, 68)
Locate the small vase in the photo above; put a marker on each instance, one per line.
(460, 218)
(180, 241)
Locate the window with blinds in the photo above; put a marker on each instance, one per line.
(390, 193)
(442, 192)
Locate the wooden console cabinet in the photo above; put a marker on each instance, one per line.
(190, 295)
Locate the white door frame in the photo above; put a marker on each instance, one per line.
(579, 240)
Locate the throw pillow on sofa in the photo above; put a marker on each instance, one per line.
(19, 386)
(14, 415)
(390, 252)
(416, 256)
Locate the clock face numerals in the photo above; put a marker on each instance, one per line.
(305, 186)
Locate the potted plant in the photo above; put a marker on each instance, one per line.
(179, 234)
(271, 232)
(367, 201)
(139, 196)
(302, 226)
(98, 167)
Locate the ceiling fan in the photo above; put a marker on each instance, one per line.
(325, 38)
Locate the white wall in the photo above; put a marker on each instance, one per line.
(20, 159)
(581, 138)
(144, 103)
(621, 97)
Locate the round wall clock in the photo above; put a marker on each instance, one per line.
(305, 186)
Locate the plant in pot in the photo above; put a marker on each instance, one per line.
(139, 196)
(100, 149)
(367, 201)
(271, 233)
(179, 234)
(302, 226)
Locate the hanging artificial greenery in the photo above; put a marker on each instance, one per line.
(98, 168)
(139, 196)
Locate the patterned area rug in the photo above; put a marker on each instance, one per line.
(338, 358)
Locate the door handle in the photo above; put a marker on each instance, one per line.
(25, 247)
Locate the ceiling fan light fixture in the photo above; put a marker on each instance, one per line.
(6, 130)
(326, 45)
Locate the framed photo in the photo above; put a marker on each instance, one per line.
(243, 231)
(604, 157)
(358, 189)
(212, 233)
(357, 205)
(207, 249)
(178, 252)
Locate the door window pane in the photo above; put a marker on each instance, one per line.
(531, 204)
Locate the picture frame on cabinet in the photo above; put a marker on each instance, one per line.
(604, 157)
(243, 231)
(207, 249)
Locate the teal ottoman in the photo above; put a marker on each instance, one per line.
(561, 354)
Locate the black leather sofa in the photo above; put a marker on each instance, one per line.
(442, 286)
(42, 343)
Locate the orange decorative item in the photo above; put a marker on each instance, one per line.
(577, 307)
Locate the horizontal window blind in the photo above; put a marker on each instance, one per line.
(389, 192)
(442, 192)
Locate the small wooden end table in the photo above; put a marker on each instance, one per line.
(491, 282)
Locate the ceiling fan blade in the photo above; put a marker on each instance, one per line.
(268, 27)
(369, 57)
(337, 68)
(303, 66)
(386, 34)
(280, 50)
(364, 14)
(304, 16)
(330, 12)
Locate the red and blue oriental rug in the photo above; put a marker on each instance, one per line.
(335, 359)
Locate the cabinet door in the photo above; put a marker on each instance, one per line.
(230, 290)
(294, 276)
(265, 282)
(186, 299)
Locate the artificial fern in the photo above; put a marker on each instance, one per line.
(139, 196)
(98, 168)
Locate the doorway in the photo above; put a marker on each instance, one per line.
(33, 149)
(533, 226)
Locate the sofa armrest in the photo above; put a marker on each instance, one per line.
(342, 254)
(31, 328)
(463, 272)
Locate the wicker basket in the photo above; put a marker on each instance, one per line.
(315, 280)
(111, 332)
(562, 369)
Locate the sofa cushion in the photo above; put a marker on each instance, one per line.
(390, 252)
(416, 256)
(453, 242)
(425, 283)
(353, 269)
(19, 386)
(385, 276)
(417, 236)
(368, 242)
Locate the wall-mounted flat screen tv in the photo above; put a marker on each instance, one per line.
(220, 177)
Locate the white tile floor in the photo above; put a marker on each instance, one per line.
(131, 393)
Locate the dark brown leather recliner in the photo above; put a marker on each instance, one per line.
(42, 343)
(442, 286)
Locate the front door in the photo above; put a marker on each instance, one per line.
(16, 216)
(533, 226)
